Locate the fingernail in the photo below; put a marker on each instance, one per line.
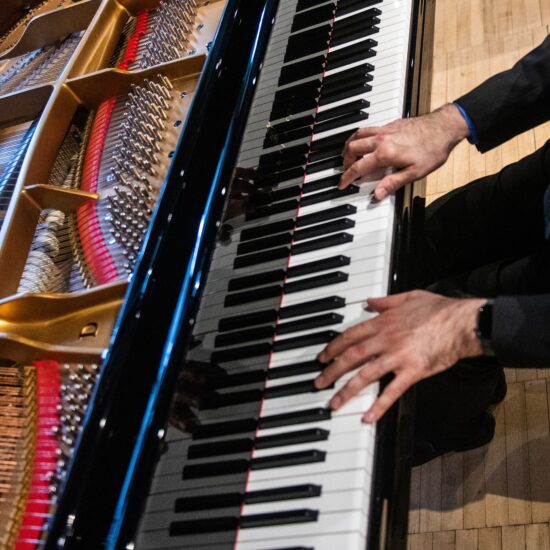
(335, 402)
(366, 307)
(381, 194)
(321, 358)
(319, 382)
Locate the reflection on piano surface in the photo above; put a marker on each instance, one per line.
(157, 381)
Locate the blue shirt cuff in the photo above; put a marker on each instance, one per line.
(473, 138)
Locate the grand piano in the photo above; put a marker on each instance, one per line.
(173, 255)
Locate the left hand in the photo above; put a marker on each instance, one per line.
(416, 335)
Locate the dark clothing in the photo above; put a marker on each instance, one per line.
(514, 237)
(487, 239)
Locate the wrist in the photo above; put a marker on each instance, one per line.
(470, 343)
(455, 126)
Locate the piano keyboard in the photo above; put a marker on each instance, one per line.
(259, 462)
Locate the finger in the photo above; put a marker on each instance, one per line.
(356, 149)
(358, 169)
(394, 181)
(352, 358)
(393, 391)
(348, 338)
(387, 302)
(366, 375)
(363, 133)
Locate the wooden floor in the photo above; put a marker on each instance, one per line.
(497, 497)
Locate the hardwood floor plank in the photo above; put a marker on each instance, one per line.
(538, 432)
(537, 537)
(490, 538)
(496, 479)
(414, 501)
(467, 540)
(421, 541)
(513, 537)
(517, 458)
(474, 489)
(444, 539)
(452, 492)
(430, 496)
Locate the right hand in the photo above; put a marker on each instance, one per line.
(413, 147)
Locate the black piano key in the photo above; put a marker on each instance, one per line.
(208, 450)
(329, 195)
(325, 154)
(292, 124)
(295, 369)
(240, 283)
(302, 69)
(248, 319)
(320, 184)
(307, 43)
(261, 244)
(313, 17)
(258, 375)
(325, 164)
(351, 54)
(224, 500)
(356, 34)
(287, 390)
(216, 400)
(282, 160)
(273, 138)
(343, 87)
(241, 352)
(230, 427)
(362, 20)
(323, 229)
(347, 75)
(261, 257)
(278, 518)
(334, 278)
(251, 334)
(348, 6)
(253, 295)
(232, 446)
(269, 180)
(305, 89)
(287, 459)
(318, 265)
(325, 242)
(324, 215)
(344, 94)
(230, 523)
(292, 492)
(331, 142)
(312, 306)
(335, 123)
(336, 112)
(270, 315)
(305, 341)
(309, 323)
(267, 197)
(207, 469)
(248, 335)
(266, 229)
(291, 438)
(277, 208)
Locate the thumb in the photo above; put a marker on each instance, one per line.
(392, 182)
(388, 302)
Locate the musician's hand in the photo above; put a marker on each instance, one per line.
(416, 335)
(413, 147)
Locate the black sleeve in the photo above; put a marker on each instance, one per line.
(512, 101)
(521, 331)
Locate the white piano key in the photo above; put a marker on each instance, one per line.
(347, 541)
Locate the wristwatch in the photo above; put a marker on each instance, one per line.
(484, 327)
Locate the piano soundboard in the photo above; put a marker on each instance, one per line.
(174, 254)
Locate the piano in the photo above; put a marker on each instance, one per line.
(174, 254)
